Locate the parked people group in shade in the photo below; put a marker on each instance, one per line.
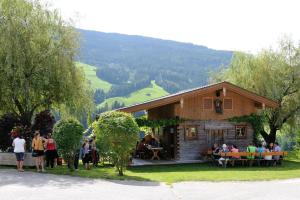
(261, 148)
(142, 147)
(88, 153)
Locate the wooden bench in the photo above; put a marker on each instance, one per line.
(250, 157)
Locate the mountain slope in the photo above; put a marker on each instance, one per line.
(96, 82)
(131, 62)
(151, 92)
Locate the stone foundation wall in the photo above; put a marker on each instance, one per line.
(10, 159)
(192, 149)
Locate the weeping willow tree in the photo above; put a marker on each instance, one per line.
(274, 73)
(37, 69)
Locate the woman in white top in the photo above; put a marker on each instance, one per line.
(19, 150)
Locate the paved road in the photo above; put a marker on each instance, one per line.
(34, 186)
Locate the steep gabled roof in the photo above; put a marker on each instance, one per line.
(173, 98)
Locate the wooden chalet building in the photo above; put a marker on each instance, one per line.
(206, 111)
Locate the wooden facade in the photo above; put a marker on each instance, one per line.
(193, 107)
(206, 111)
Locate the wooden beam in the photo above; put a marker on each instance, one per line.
(181, 103)
(224, 91)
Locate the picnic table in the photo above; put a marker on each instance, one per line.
(155, 151)
(250, 157)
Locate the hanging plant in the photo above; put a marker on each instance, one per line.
(256, 121)
(144, 122)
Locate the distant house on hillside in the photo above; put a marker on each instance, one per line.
(206, 110)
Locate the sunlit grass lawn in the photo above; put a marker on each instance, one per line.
(190, 172)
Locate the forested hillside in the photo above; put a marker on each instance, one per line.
(130, 63)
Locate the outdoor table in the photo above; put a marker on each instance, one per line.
(155, 151)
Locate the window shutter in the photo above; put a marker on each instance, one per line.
(228, 104)
(207, 103)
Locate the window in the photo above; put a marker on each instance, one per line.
(208, 103)
(191, 133)
(241, 131)
(228, 104)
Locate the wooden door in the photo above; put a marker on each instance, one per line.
(215, 136)
(170, 141)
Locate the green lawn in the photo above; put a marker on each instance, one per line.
(190, 172)
(145, 94)
(96, 82)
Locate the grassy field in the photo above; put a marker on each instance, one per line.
(190, 172)
(145, 94)
(96, 83)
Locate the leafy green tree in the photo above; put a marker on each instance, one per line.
(37, 54)
(271, 73)
(68, 135)
(120, 132)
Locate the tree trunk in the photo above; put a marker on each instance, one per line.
(71, 164)
(271, 137)
(25, 120)
(120, 170)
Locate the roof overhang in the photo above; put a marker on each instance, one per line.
(177, 97)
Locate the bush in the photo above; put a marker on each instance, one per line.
(119, 132)
(68, 134)
(7, 123)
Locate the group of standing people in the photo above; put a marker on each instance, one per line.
(87, 153)
(41, 147)
(45, 147)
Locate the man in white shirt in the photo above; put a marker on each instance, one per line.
(19, 150)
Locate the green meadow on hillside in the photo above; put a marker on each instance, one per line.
(151, 92)
(145, 94)
(96, 82)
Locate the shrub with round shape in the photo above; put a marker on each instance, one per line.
(119, 131)
(68, 135)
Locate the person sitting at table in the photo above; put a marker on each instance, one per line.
(153, 142)
(141, 145)
(268, 158)
(277, 148)
(234, 149)
(223, 150)
(271, 147)
(216, 151)
(252, 149)
(141, 148)
(260, 149)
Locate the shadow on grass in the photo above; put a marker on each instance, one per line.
(105, 172)
(286, 166)
(67, 178)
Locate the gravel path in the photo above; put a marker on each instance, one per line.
(34, 186)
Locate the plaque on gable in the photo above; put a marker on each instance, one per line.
(218, 106)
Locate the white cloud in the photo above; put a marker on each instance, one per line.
(247, 25)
